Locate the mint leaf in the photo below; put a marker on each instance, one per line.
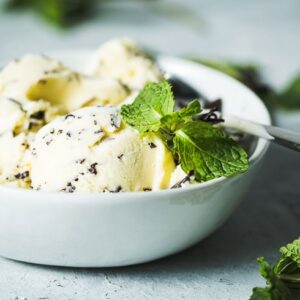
(289, 98)
(182, 115)
(201, 148)
(292, 251)
(154, 102)
(287, 268)
(261, 294)
(207, 152)
(275, 290)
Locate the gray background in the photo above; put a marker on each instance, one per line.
(224, 265)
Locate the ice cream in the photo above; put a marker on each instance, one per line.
(122, 59)
(91, 150)
(34, 90)
(55, 137)
(36, 77)
(19, 120)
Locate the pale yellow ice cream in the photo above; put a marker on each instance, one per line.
(36, 77)
(34, 90)
(122, 59)
(19, 120)
(91, 150)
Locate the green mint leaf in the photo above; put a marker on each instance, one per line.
(207, 152)
(275, 290)
(287, 268)
(292, 251)
(261, 294)
(176, 118)
(289, 98)
(153, 102)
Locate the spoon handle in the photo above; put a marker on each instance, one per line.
(284, 137)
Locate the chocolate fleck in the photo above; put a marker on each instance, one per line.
(117, 190)
(93, 169)
(70, 188)
(152, 145)
(22, 175)
(80, 161)
(147, 189)
(39, 115)
(120, 156)
(68, 134)
(113, 120)
(60, 131)
(69, 116)
(17, 103)
(98, 131)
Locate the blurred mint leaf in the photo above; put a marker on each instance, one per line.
(61, 13)
(289, 98)
(249, 74)
(275, 290)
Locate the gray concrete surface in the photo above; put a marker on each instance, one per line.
(224, 265)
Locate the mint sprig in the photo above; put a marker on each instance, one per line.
(153, 103)
(201, 148)
(283, 277)
(275, 290)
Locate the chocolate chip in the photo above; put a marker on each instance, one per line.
(98, 131)
(152, 145)
(70, 188)
(93, 169)
(39, 115)
(120, 156)
(22, 175)
(80, 161)
(113, 120)
(69, 116)
(117, 190)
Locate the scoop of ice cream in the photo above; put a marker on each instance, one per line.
(122, 59)
(72, 91)
(19, 120)
(18, 75)
(12, 168)
(91, 150)
(36, 77)
(20, 115)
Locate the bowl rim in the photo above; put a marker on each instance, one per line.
(85, 197)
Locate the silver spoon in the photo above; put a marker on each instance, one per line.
(284, 137)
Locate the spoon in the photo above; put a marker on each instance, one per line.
(283, 137)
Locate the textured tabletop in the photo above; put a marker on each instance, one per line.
(223, 266)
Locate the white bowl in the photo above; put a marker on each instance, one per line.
(106, 230)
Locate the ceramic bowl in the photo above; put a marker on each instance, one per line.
(107, 230)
